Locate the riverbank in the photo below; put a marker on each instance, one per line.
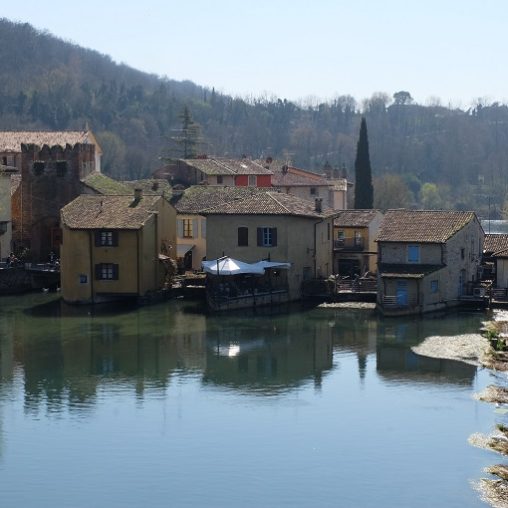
(488, 349)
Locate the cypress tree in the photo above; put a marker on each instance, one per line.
(364, 191)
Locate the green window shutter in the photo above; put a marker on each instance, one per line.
(115, 238)
(97, 238)
(115, 272)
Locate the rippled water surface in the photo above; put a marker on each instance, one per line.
(165, 406)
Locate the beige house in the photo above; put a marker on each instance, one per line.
(354, 241)
(115, 246)
(5, 210)
(275, 226)
(191, 228)
(308, 185)
(427, 260)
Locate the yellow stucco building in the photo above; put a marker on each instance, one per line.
(115, 246)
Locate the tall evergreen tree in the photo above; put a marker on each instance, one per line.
(364, 191)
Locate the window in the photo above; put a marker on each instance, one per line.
(106, 271)
(252, 180)
(243, 236)
(413, 253)
(61, 168)
(106, 238)
(462, 253)
(187, 228)
(313, 191)
(267, 237)
(4, 161)
(38, 167)
(219, 179)
(434, 286)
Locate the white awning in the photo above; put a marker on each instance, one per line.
(230, 266)
(183, 248)
(274, 264)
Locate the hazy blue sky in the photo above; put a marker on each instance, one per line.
(452, 49)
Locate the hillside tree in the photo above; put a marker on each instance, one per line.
(364, 191)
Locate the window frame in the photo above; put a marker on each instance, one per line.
(411, 250)
(106, 271)
(106, 238)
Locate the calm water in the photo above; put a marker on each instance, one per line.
(166, 407)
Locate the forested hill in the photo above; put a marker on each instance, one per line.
(429, 156)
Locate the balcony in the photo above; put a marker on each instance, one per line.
(349, 244)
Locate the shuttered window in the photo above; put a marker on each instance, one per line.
(267, 237)
(243, 236)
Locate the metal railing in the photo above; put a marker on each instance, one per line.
(349, 244)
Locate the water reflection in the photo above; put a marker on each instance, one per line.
(67, 354)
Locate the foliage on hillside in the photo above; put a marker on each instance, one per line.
(48, 83)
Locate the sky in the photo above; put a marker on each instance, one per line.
(453, 50)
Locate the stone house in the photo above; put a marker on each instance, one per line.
(5, 210)
(354, 241)
(275, 226)
(219, 171)
(427, 260)
(191, 228)
(115, 246)
(495, 263)
(308, 185)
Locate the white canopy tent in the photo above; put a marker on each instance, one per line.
(230, 266)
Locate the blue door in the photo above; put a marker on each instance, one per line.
(402, 293)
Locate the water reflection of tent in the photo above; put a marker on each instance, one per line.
(230, 266)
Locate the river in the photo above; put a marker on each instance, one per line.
(165, 406)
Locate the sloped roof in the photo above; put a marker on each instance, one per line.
(103, 184)
(112, 212)
(422, 226)
(355, 218)
(159, 186)
(10, 141)
(285, 175)
(201, 197)
(220, 166)
(270, 203)
(495, 243)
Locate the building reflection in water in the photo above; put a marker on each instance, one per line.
(65, 355)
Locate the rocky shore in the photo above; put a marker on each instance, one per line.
(488, 349)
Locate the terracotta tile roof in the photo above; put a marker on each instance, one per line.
(10, 141)
(219, 166)
(285, 175)
(103, 184)
(270, 203)
(422, 226)
(355, 218)
(112, 212)
(201, 197)
(495, 243)
(159, 186)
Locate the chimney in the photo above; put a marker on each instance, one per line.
(138, 194)
(318, 203)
